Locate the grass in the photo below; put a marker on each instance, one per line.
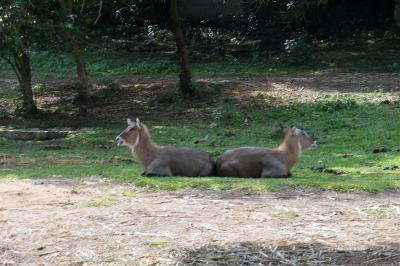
(129, 193)
(374, 212)
(99, 203)
(160, 244)
(347, 127)
(107, 59)
(61, 66)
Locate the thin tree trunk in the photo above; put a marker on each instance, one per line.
(80, 66)
(23, 66)
(185, 85)
(83, 89)
(397, 13)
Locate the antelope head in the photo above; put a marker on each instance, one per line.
(302, 138)
(130, 136)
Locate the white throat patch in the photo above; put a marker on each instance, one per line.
(137, 141)
(299, 146)
(133, 147)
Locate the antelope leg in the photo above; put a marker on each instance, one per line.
(277, 171)
(158, 168)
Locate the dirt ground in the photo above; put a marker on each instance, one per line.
(94, 222)
(148, 96)
(140, 95)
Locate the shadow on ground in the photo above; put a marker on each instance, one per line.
(253, 253)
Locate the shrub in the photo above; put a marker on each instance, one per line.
(227, 113)
(297, 50)
(337, 103)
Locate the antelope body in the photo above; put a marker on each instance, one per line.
(262, 162)
(164, 161)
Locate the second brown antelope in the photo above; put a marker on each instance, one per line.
(164, 161)
(261, 162)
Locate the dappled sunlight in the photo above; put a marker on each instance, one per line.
(358, 137)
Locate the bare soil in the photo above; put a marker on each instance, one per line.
(94, 222)
(119, 97)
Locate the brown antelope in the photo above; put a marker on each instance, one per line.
(164, 161)
(261, 162)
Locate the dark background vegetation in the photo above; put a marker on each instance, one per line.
(261, 35)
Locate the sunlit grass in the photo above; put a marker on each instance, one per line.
(160, 244)
(348, 130)
(98, 203)
(129, 193)
(377, 212)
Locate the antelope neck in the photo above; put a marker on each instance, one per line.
(291, 151)
(144, 148)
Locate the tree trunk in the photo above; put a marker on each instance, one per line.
(80, 66)
(185, 85)
(397, 13)
(23, 66)
(83, 89)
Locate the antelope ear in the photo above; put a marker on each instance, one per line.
(129, 121)
(138, 123)
(296, 131)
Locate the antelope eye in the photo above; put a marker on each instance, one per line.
(131, 129)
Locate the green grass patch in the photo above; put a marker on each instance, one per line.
(129, 193)
(106, 60)
(160, 244)
(98, 203)
(376, 212)
(348, 128)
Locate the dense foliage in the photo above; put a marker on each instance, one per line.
(290, 32)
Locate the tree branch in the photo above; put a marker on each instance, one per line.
(17, 63)
(17, 73)
(82, 6)
(99, 14)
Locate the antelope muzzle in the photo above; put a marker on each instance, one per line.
(120, 141)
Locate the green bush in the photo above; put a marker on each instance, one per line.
(39, 88)
(227, 113)
(337, 103)
(297, 50)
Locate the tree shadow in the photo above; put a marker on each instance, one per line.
(261, 253)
